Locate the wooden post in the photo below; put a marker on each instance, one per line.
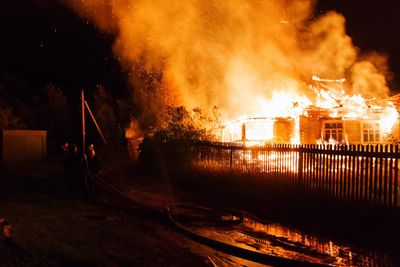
(300, 165)
(330, 169)
(307, 164)
(281, 161)
(385, 177)
(83, 123)
(366, 187)
(319, 167)
(396, 177)
(357, 180)
(376, 177)
(380, 175)
(231, 159)
(325, 169)
(371, 174)
(362, 175)
(95, 123)
(341, 171)
(336, 170)
(391, 177)
(346, 172)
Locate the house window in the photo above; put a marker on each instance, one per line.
(333, 130)
(371, 132)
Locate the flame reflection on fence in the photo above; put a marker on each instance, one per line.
(363, 173)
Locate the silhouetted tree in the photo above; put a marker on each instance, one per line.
(180, 124)
(7, 118)
(56, 116)
(125, 112)
(104, 114)
(175, 135)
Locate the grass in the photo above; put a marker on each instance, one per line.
(55, 231)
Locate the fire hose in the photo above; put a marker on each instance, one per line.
(212, 243)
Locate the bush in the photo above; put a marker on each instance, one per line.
(173, 141)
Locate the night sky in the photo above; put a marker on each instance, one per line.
(43, 41)
(373, 25)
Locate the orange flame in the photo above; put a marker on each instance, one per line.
(245, 57)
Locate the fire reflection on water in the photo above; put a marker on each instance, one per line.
(327, 251)
(279, 241)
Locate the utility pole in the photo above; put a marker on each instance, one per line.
(95, 123)
(83, 123)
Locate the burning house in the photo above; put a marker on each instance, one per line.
(335, 118)
(253, 58)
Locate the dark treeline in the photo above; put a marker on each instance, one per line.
(52, 109)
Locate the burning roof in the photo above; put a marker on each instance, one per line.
(331, 103)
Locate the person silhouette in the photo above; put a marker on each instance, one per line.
(93, 160)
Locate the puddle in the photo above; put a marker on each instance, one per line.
(291, 243)
(276, 240)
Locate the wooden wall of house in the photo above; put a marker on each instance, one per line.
(283, 130)
(352, 131)
(310, 130)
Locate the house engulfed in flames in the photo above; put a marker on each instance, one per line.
(335, 118)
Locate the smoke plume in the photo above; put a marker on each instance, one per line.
(228, 53)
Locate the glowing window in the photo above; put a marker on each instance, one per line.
(371, 132)
(333, 131)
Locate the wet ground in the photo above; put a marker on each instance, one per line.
(274, 239)
(263, 236)
(154, 193)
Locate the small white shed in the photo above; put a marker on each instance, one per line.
(18, 145)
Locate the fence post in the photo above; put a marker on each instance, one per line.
(396, 177)
(371, 174)
(385, 177)
(362, 175)
(300, 165)
(231, 159)
(391, 177)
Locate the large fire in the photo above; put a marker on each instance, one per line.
(253, 60)
(332, 102)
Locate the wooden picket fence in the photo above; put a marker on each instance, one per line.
(367, 173)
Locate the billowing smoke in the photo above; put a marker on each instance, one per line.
(228, 54)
